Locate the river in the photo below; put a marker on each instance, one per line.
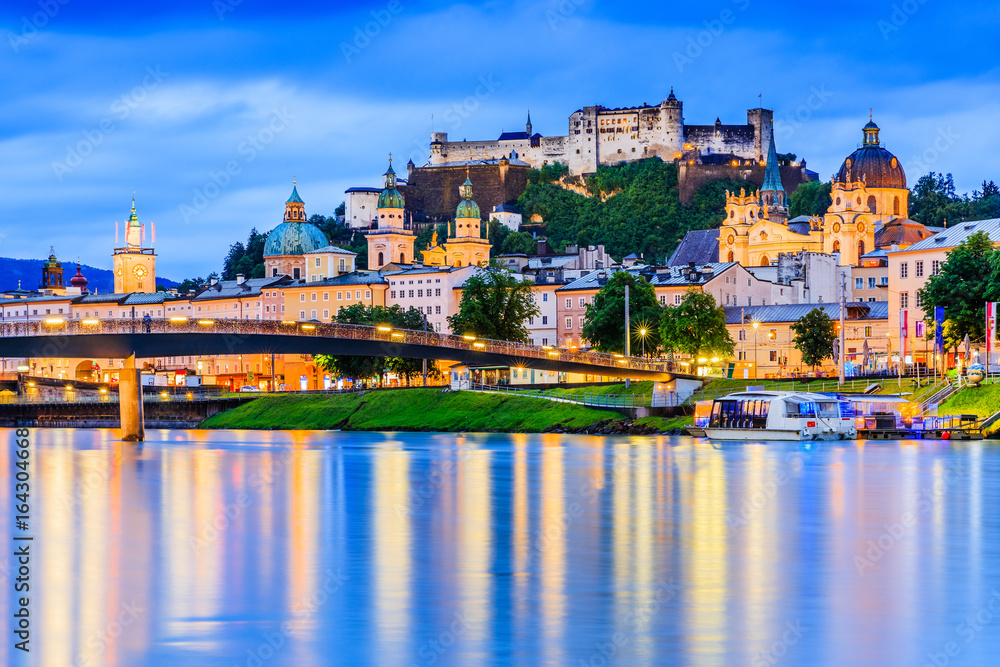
(323, 548)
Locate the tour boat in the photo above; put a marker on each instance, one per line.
(775, 415)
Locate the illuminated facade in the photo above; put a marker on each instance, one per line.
(391, 241)
(468, 240)
(134, 265)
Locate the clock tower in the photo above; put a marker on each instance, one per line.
(134, 266)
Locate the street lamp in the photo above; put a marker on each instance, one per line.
(642, 334)
(756, 368)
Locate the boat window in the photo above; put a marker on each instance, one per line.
(828, 410)
(764, 405)
(716, 413)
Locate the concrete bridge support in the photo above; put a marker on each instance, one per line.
(130, 402)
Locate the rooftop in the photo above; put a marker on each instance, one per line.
(953, 236)
(871, 310)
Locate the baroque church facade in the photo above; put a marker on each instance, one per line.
(868, 194)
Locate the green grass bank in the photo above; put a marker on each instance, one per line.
(409, 410)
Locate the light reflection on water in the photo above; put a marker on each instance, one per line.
(317, 548)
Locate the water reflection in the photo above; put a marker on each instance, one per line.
(245, 548)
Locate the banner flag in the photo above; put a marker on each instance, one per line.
(939, 329)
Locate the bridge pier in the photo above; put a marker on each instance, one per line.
(130, 402)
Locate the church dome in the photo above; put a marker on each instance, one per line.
(878, 167)
(390, 197)
(79, 280)
(294, 238)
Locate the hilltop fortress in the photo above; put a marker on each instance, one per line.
(599, 135)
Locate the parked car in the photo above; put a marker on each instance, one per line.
(249, 388)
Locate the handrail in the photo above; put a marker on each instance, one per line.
(590, 399)
(87, 326)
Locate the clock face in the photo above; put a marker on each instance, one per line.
(836, 227)
(140, 272)
(731, 239)
(861, 228)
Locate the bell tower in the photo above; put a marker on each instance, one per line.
(134, 266)
(391, 240)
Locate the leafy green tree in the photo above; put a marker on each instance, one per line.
(968, 278)
(696, 326)
(504, 241)
(191, 285)
(810, 199)
(495, 304)
(604, 322)
(341, 209)
(358, 367)
(814, 336)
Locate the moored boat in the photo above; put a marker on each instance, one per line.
(775, 415)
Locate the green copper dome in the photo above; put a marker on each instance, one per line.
(294, 238)
(390, 197)
(295, 198)
(467, 208)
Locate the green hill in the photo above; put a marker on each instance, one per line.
(634, 207)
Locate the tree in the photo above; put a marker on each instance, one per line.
(810, 199)
(496, 305)
(190, 285)
(814, 336)
(359, 367)
(696, 326)
(604, 323)
(966, 280)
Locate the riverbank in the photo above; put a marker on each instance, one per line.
(430, 410)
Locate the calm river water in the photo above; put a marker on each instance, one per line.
(318, 548)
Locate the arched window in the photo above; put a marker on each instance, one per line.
(402, 258)
(836, 246)
(861, 251)
(751, 213)
(380, 259)
(732, 213)
(764, 261)
(871, 203)
(895, 205)
(730, 256)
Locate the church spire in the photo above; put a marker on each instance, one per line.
(772, 176)
(529, 123)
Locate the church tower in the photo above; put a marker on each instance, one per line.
(742, 211)
(134, 266)
(772, 193)
(467, 243)
(391, 239)
(528, 126)
(52, 275)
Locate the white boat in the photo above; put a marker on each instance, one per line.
(775, 415)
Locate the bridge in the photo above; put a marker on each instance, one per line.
(130, 339)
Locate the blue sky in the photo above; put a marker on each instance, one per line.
(210, 109)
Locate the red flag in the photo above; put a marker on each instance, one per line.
(153, 225)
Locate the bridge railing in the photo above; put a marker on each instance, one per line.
(58, 326)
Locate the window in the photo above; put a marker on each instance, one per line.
(357, 295)
(871, 282)
(318, 262)
(871, 298)
(545, 341)
(677, 300)
(742, 334)
(312, 314)
(392, 295)
(581, 322)
(920, 301)
(437, 327)
(326, 296)
(437, 292)
(302, 297)
(569, 303)
(904, 300)
(411, 294)
(545, 296)
(368, 294)
(569, 322)
(859, 283)
(313, 297)
(420, 293)
(727, 299)
(663, 298)
(545, 319)
(437, 310)
(749, 300)
(340, 296)
(343, 265)
(868, 332)
(903, 270)
(295, 274)
(531, 321)
(772, 334)
(919, 269)
(326, 314)
(583, 301)
(935, 267)
(884, 281)
(741, 355)
(302, 314)
(773, 356)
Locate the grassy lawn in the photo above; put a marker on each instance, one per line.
(982, 401)
(665, 423)
(407, 410)
(638, 387)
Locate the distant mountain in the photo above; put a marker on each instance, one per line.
(29, 272)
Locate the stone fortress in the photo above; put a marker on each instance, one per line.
(599, 135)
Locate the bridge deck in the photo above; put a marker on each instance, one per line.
(120, 338)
